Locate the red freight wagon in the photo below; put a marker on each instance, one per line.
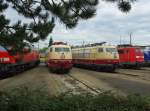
(130, 56)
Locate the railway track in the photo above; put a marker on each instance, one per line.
(13, 70)
(137, 74)
(89, 88)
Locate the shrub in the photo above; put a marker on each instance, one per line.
(26, 100)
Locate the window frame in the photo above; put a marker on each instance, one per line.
(102, 50)
(62, 49)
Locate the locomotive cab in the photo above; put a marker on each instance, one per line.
(59, 57)
(5, 58)
(109, 54)
(131, 56)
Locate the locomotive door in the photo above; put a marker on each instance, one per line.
(127, 55)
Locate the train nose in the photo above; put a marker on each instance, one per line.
(62, 56)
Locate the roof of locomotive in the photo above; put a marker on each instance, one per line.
(96, 46)
(60, 45)
(127, 46)
(130, 47)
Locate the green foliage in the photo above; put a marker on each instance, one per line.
(43, 15)
(26, 100)
(50, 41)
(43, 50)
(123, 5)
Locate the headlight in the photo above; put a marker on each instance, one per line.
(6, 59)
(139, 57)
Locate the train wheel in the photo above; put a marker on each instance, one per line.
(113, 68)
(93, 67)
(52, 70)
(2, 74)
(138, 66)
(66, 71)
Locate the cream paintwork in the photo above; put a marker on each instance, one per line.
(57, 55)
(93, 53)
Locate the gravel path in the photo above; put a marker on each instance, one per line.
(123, 82)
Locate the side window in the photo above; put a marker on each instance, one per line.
(66, 50)
(100, 49)
(108, 50)
(138, 50)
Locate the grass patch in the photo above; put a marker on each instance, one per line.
(26, 100)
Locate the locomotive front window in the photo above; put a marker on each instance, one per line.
(62, 49)
(120, 51)
(66, 50)
(138, 50)
(100, 50)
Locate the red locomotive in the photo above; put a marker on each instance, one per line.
(12, 62)
(130, 56)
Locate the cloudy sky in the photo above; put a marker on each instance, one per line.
(108, 25)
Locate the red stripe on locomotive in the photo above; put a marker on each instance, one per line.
(96, 62)
(57, 63)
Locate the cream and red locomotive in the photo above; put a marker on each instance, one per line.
(97, 56)
(59, 57)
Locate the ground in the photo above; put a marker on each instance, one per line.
(123, 81)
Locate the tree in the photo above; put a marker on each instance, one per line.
(43, 15)
(43, 50)
(50, 41)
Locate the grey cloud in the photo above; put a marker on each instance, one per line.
(108, 25)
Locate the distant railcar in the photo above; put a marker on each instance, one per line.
(12, 62)
(130, 56)
(146, 51)
(96, 56)
(59, 57)
(42, 57)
